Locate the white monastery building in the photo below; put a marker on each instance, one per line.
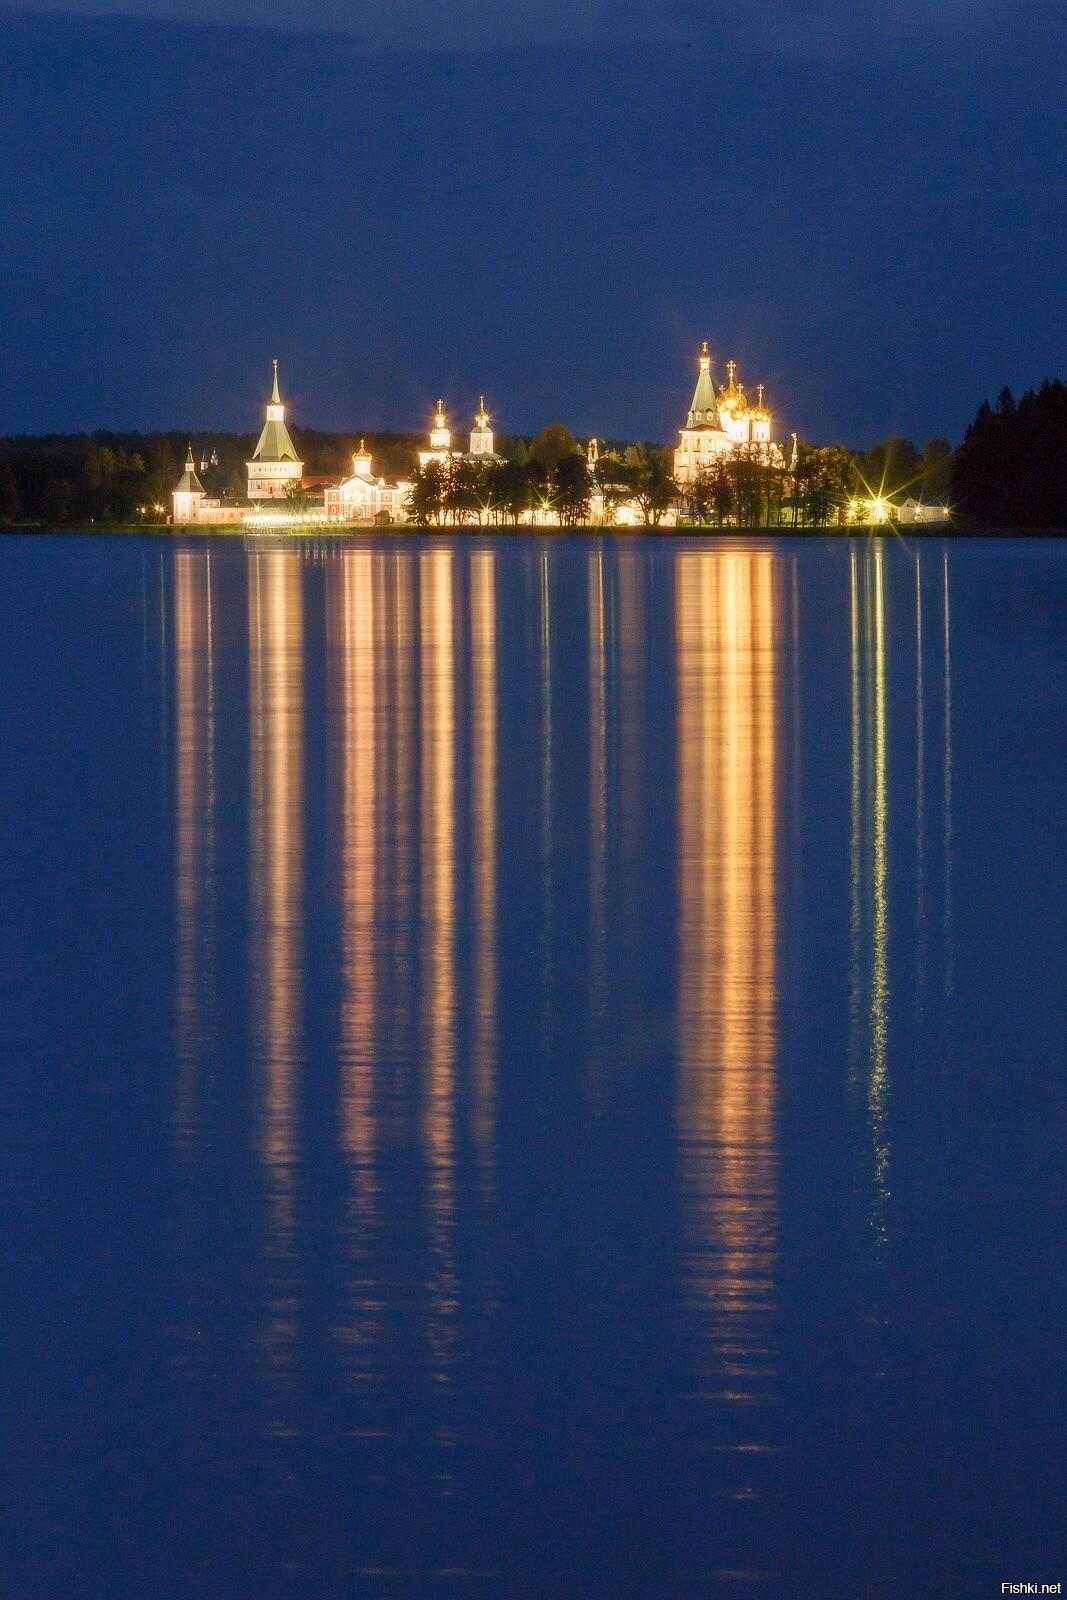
(720, 423)
(191, 504)
(363, 497)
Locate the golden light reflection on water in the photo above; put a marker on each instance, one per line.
(633, 729)
(484, 761)
(276, 873)
(353, 598)
(437, 876)
(729, 750)
(869, 981)
(195, 833)
(598, 782)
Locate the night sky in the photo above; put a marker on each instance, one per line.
(867, 211)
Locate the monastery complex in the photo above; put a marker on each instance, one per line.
(720, 423)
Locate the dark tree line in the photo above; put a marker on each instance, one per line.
(1011, 469)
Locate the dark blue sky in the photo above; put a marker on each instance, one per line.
(868, 214)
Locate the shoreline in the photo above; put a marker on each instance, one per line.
(502, 531)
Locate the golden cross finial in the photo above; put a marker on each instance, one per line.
(731, 368)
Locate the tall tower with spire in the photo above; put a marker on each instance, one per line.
(274, 466)
(702, 440)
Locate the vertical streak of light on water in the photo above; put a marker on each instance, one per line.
(164, 717)
(195, 842)
(355, 659)
(855, 921)
(878, 1087)
(920, 805)
(598, 792)
(438, 964)
(403, 784)
(211, 820)
(276, 707)
(628, 792)
(546, 802)
(484, 801)
(632, 729)
(795, 751)
(949, 955)
(728, 752)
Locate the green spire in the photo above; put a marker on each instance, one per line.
(189, 483)
(275, 443)
(704, 412)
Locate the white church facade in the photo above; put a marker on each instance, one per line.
(364, 497)
(719, 423)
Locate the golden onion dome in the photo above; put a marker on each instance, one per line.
(759, 412)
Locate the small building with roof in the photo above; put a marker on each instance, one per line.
(189, 493)
(191, 506)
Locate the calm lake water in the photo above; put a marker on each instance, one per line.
(531, 1067)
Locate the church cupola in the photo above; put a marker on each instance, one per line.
(703, 412)
(730, 396)
(482, 433)
(760, 419)
(362, 461)
(733, 407)
(440, 433)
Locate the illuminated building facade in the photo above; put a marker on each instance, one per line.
(274, 468)
(364, 497)
(721, 422)
(440, 440)
(192, 506)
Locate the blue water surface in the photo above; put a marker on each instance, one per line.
(531, 1067)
